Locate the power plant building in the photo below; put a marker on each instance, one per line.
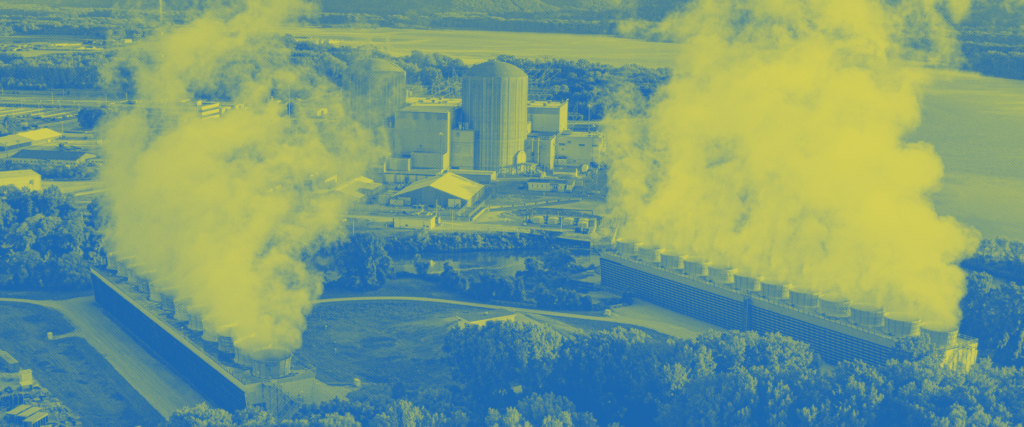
(835, 328)
(446, 190)
(494, 96)
(25, 178)
(493, 127)
(376, 90)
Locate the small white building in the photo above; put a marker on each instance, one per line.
(416, 221)
(51, 157)
(550, 184)
(25, 178)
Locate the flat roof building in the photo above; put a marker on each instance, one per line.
(51, 157)
(24, 178)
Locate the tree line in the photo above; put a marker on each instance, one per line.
(514, 374)
(48, 242)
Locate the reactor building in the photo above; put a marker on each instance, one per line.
(836, 328)
(493, 127)
(228, 376)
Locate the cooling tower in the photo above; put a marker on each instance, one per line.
(209, 332)
(867, 315)
(721, 274)
(376, 89)
(111, 261)
(242, 356)
(802, 297)
(180, 311)
(133, 277)
(626, 248)
(122, 266)
(775, 289)
(167, 303)
(834, 305)
(693, 266)
(225, 347)
(554, 219)
(902, 324)
(648, 253)
(494, 102)
(747, 282)
(271, 363)
(154, 292)
(940, 336)
(195, 321)
(671, 261)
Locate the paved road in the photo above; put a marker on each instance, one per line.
(151, 378)
(683, 330)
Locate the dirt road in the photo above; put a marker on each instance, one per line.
(151, 378)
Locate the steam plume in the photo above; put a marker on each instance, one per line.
(222, 209)
(777, 148)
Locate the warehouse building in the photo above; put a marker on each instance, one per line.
(25, 178)
(551, 184)
(834, 328)
(51, 157)
(446, 190)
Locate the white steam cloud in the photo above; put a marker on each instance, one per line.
(221, 210)
(777, 148)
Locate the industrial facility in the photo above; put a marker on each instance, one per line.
(230, 377)
(723, 296)
(493, 127)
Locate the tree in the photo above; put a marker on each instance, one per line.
(88, 117)
(421, 265)
(201, 415)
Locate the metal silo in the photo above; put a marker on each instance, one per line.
(494, 102)
(375, 89)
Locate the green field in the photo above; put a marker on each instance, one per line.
(71, 369)
(479, 46)
(382, 342)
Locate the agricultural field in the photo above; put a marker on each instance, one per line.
(70, 368)
(478, 46)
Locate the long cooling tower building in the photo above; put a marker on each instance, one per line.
(494, 101)
(835, 328)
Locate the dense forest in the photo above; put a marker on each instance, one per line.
(48, 243)
(515, 374)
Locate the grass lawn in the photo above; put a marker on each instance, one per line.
(71, 369)
(382, 342)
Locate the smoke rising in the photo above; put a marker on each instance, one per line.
(777, 148)
(222, 209)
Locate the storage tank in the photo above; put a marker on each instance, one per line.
(902, 324)
(775, 289)
(803, 297)
(649, 253)
(941, 336)
(867, 315)
(271, 363)
(693, 266)
(834, 305)
(375, 89)
(747, 282)
(671, 261)
(721, 274)
(494, 102)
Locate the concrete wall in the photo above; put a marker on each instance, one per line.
(187, 361)
(694, 297)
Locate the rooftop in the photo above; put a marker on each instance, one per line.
(494, 68)
(27, 173)
(50, 155)
(9, 140)
(448, 182)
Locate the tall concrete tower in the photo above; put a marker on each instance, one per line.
(376, 90)
(494, 101)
